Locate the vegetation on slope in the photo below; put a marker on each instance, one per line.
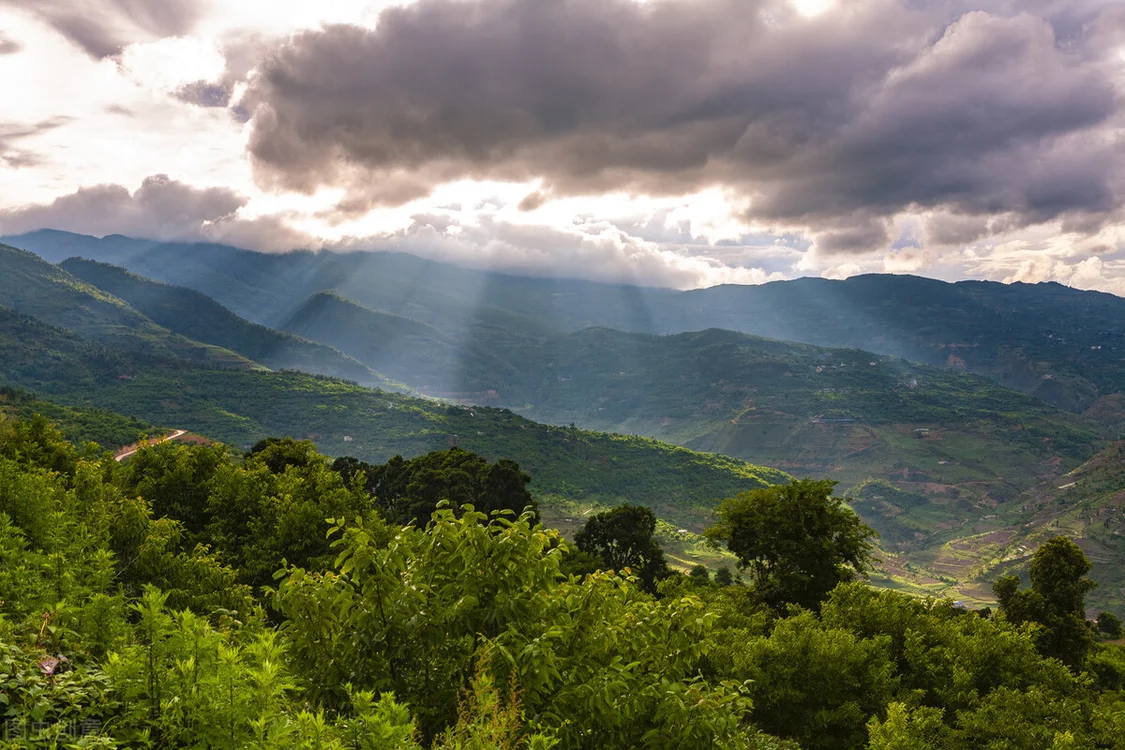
(78, 425)
(196, 316)
(1088, 504)
(1060, 344)
(958, 439)
(33, 287)
(242, 407)
(117, 630)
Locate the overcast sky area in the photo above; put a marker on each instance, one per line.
(680, 143)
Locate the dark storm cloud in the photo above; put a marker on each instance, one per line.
(863, 237)
(161, 209)
(833, 123)
(947, 229)
(103, 27)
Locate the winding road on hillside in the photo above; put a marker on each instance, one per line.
(129, 450)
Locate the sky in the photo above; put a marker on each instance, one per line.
(678, 143)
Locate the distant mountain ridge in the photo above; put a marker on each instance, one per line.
(197, 316)
(1063, 345)
(951, 456)
(959, 440)
(240, 407)
(34, 287)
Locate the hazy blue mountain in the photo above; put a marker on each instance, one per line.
(56, 246)
(197, 316)
(1065, 346)
(461, 366)
(34, 287)
(268, 288)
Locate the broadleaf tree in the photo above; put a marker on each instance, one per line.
(796, 540)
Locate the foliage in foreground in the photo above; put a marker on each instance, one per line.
(120, 627)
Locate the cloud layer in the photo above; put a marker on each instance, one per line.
(671, 142)
(161, 209)
(9, 46)
(834, 124)
(103, 27)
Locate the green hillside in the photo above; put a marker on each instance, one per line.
(197, 316)
(34, 287)
(959, 439)
(430, 361)
(1062, 345)
(1087, 504)
(78, 425)
(241, 407)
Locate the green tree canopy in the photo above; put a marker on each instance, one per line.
(1109, 625)
(797, 541)
(464, 633)
(1056, 599)
(409, 491)
(624, 538)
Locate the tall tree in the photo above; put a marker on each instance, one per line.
(1056, 599)
(409, 491)
(797, 541)
(624, 538)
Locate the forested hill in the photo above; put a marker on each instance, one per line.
(242, 407)
(133, 614)
(1060, 344)
(34, 287)
(960, 440)
(1063, 345)
(196, 316)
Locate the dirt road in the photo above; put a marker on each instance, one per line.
(129, 450)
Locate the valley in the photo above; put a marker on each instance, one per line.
(936, 454)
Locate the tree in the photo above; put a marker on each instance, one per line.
(723, 576)
(281, 453)
(623, 538)
(1056, 599)
(176, 479)
(409, 491)
(797, 541)
(1110, 625)
(815, 684)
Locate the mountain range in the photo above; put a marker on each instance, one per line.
(1063, 345)
(943, 409)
